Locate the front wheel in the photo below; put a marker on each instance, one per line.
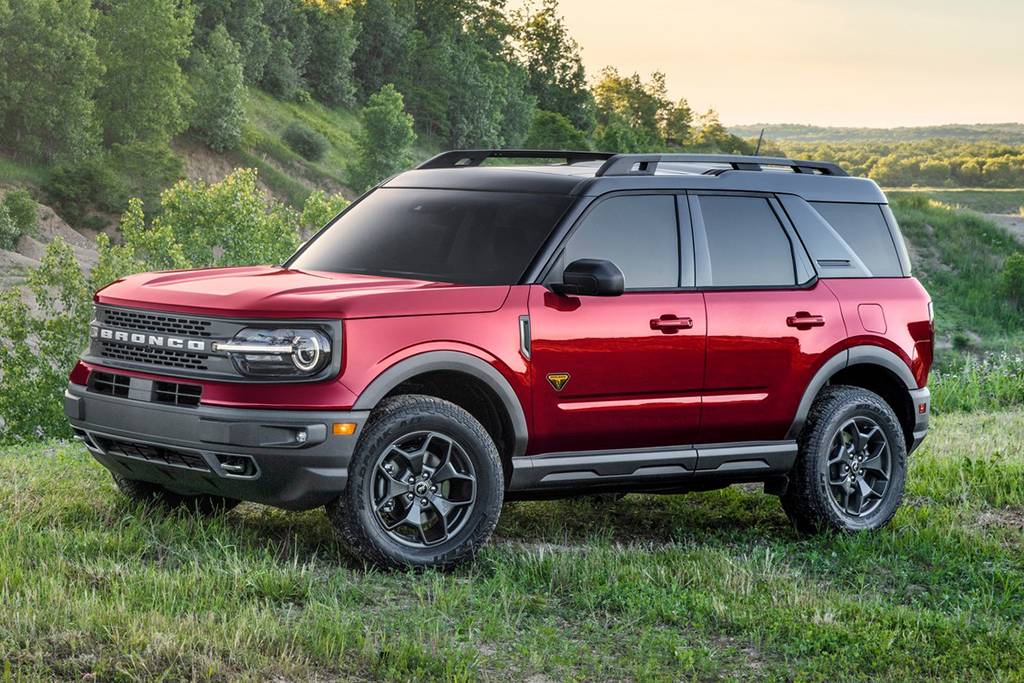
(425, 486)
(852, 464)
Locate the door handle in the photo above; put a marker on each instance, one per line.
(805, 321)
(670, 324)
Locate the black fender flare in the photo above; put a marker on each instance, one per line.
(864, 354)
(432, 361)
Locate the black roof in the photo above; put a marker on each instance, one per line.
(594, 173)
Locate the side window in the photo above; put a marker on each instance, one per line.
(863, 228)
(636, 233)
(747, 245)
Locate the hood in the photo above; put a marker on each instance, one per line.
(275, 292)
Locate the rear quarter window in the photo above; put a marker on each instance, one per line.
(864, 229)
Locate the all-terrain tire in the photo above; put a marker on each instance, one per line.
(809, 501)
(155, 496)
(353, 514)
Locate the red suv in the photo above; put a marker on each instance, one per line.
(467, 333)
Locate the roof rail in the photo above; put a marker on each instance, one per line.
(647, 164)
(474, 157)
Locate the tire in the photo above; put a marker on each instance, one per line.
(455, 468)
(155, 496)
(825, 491)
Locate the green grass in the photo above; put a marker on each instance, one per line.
(13, 172)
(713, 585)
(285, 171)
(958, 256)
(981, 200)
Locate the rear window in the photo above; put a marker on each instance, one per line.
(863, 228)
(459, 236)
(747, 244)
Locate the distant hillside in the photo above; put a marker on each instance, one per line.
(1005, 133)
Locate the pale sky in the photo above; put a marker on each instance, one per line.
(828, 62)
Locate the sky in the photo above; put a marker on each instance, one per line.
(828, 62)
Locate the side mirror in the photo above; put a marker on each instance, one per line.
(590, 277)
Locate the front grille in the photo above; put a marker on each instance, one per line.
(157, 322)
(149, 355)
(156, 454)
(123, 386)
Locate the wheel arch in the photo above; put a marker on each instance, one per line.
(463, 379)
(870, 367)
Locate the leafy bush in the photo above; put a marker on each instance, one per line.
(106, 181)
(227, 223)
(9, 233)
(1013, 277)
(23, 210)
(321, 208)
(550, 130)
(305, 141)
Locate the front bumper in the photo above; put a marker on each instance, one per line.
(254, 455)
(920, 397)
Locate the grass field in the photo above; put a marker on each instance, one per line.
(704, 586)
(983, 200)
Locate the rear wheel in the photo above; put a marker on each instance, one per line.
(154, 495)
(425, 486)
(851, 469)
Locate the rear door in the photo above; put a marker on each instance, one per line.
(624, 371)
(770, 323)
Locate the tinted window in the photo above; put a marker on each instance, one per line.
(484, 238)
(636, 233)
(863, 228)
(747, 244)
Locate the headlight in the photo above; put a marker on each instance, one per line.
(278, 352)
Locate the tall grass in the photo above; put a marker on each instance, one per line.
(971, 383)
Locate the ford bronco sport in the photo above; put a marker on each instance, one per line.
(468, 333)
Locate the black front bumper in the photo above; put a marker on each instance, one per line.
(254, 455)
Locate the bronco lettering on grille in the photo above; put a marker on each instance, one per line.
(144, 339)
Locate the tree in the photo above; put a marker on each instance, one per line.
(627, 100)
(48, 74)
(244, 21)
(386, 139)
(385, 44)
(553, 64)
(143, 94)
(677, 124)
(333, 40)
(551, 130)
(219, 84)
(290, 47)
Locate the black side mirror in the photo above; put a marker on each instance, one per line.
(590, 277)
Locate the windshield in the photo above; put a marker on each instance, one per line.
(460, 236)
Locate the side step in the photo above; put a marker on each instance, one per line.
(652, 468)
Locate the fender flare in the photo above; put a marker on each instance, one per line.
(432, 361)
(856, 355)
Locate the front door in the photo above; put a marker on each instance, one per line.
(625, 371)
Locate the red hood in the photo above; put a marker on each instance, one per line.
(272, 292)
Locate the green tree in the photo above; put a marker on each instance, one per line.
(553, 64)
(48, 74)
(220, 92)
(290, 47)
(329, 67)
(385, 43)
(551, 130)
(244, 21)
(320, 208)
(677, 124)
(9, 232)
(386, 139)
(628, 100)
(1013, 278)
(143, 94)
